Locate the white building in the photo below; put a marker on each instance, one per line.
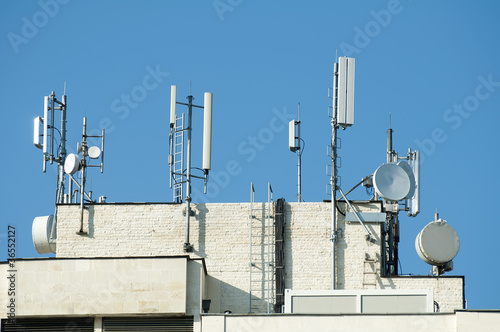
(130, 273)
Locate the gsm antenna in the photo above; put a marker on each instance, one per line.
(294, 141)
(44, 138)
(180, 175)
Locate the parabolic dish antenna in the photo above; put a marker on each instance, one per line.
(437, 243)
(71, 164)
(392, 182)
(94, 152)
(42, 227)
(404, 165)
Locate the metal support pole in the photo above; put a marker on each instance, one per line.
(82, 184)
(187, 245)
(299, 156)
(52, 97)
(62, 154)
(333, 177)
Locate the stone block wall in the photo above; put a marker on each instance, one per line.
(220, 233)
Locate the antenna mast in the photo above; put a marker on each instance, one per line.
(294, 145)
(333, 176)
(43, 138)
(181, 176)
(342, 115)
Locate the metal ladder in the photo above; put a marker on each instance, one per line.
(369, 272)
(178, 159)
(261, 265)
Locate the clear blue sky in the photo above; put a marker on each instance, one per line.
(432, 64)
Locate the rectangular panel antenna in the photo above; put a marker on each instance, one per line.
(415, 200)
(345, 109)
(207, 131)
(38, 123)
(45, 124)
(291, 136)
(173, 92)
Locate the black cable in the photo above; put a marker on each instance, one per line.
(301, 150)
(55, 129)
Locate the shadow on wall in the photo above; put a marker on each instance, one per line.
(201, 217)
(226, 298)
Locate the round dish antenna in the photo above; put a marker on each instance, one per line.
(438, 243)
(41, 234)
(392, 182)
(72, 164)
(94, 152)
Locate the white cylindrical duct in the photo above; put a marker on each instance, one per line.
(207, 131)
(173, 101)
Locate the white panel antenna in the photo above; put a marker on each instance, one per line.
(207, 131)
(173, 93)
(45, 129)
(345, 86)
(415, 200)
(407, 168)
(37, 125)
(292, 137)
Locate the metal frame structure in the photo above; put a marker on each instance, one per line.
(180, 176)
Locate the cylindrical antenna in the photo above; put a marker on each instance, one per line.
(102, 151)
(207, 131)
(45, 129)
(173, 92)
(389, 142)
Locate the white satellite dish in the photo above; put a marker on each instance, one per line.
(94, 152)
(78, 148)
(438, 243)
(404, 165)
(392, 182)
(40, 231)
(71, 164)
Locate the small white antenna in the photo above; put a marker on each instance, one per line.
(173, 93)
(207, 132)
(294, 145)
